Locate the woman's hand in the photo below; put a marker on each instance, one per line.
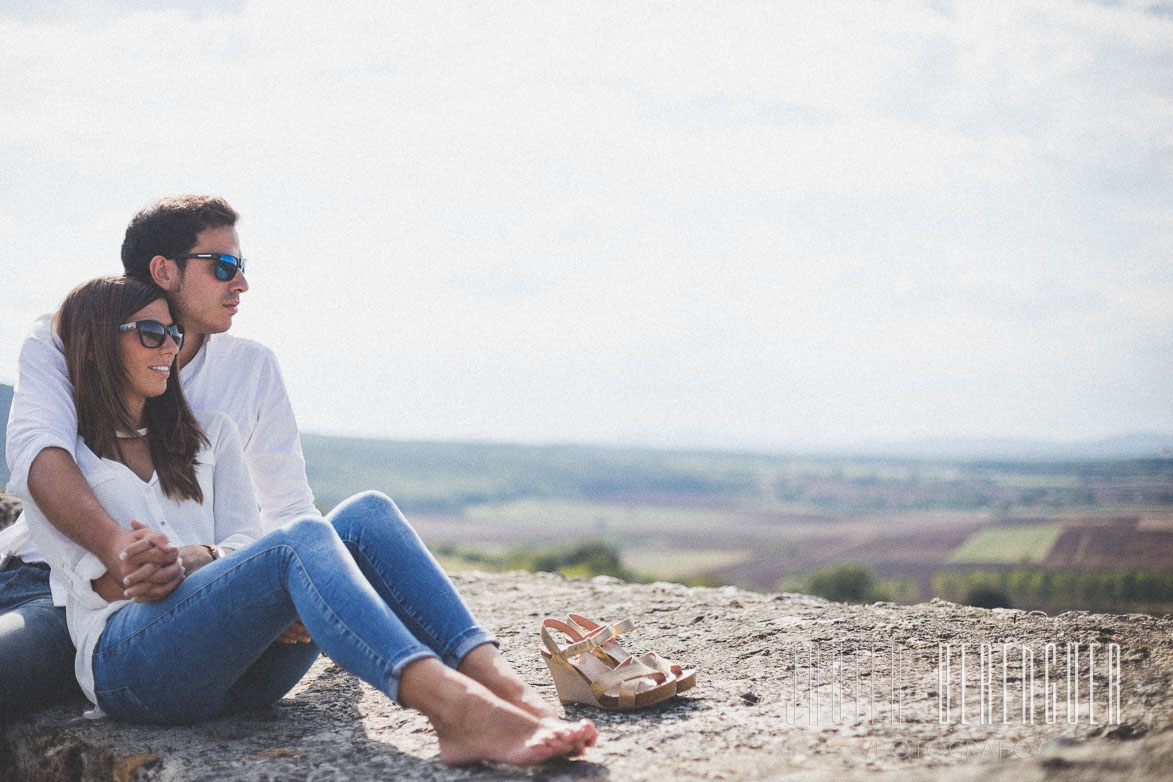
(194, 557)
(149, 567)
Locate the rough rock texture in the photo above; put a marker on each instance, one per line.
(747, 719)
(9, 509)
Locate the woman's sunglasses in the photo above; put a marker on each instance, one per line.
(226, 265)
(152, 333)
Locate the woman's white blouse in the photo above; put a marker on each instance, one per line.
(228, 517)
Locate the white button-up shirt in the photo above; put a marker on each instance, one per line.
(227, 517)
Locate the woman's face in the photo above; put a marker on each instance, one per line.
(147, 369)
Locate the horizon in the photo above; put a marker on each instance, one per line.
(741, 228)
(1123, 447)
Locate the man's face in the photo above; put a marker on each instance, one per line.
(203, 304)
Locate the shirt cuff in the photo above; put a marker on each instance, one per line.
(89, 567)
(235, 542)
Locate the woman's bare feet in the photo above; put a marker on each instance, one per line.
(505, 734)
(472, 723)
(485, 664)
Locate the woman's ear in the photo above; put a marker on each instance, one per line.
(164, 272)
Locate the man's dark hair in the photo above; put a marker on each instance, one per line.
(168, 228)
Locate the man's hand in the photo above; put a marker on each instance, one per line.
(149, 566)
(296, 634)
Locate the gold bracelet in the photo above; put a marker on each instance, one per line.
(213, 550)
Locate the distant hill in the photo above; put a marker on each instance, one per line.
(448, 475)
(1131, 446)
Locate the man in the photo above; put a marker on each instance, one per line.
(189, 247)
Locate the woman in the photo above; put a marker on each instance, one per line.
(361, 582)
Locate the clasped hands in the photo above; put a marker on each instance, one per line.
(149, 568)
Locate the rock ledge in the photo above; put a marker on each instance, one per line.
(876, 671)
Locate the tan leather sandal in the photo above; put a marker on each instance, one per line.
(685, 677)
(581, 676)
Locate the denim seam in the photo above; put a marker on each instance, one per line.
(391, 668)
(457, 648)
(401, 601)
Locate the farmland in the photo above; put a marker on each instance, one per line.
(770, 522)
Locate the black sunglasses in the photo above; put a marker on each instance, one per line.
(226, 265)
(152, 333)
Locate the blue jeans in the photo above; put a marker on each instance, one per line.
(36, 654)
(361, 581)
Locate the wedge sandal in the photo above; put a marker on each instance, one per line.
(581, 676)
(685, 677)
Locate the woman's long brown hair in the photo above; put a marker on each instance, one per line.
(88, 323)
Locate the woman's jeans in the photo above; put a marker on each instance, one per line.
(361, 581)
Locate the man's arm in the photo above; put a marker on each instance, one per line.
(43, 414)
(147, 565)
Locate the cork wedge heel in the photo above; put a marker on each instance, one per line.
(685, 677)
(581, 676)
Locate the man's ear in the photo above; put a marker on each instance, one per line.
(164, 272)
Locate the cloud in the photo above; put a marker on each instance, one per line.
(735, 225)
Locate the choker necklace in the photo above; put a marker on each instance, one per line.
(130, 436)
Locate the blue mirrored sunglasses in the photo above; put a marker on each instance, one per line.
(226, 265)
(152, 333)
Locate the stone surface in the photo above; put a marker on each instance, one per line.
(749, 718)
(9, 509)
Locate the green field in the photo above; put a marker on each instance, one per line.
(1004, 545)
(667, 564)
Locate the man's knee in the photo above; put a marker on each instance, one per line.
(37, 656)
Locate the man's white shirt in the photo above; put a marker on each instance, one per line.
(232, 375)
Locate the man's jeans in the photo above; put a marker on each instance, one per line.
(366, 588)
(36, 655)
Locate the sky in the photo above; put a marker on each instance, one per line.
(752, 225)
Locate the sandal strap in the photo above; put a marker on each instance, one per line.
(620, 674)
(601, 636)
(659, 664)
(584, 624)
(626, 626)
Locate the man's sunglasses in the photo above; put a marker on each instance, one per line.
(152, 333)
(226, 265)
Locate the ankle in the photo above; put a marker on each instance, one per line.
(435, 691)
(486, 666)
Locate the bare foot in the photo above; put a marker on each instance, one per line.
(485, 664)
(472, 723)
(527, 699)
(493, 730)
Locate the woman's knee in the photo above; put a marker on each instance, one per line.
(367, 503)
(366, 511)
(312, 531)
